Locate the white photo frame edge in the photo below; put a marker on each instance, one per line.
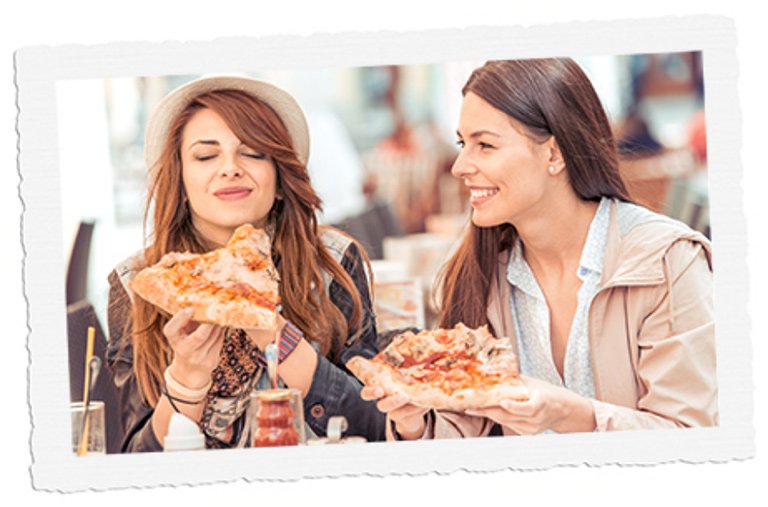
(39, 68)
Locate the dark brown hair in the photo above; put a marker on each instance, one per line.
(548, 97)
(296, 247)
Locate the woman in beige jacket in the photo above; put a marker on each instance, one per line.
(609, 305)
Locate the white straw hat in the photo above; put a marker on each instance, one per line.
(174, 103)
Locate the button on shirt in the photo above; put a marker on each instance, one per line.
(531, 313)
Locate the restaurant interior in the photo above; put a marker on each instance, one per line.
(382, 147)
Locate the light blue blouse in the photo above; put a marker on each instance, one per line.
(531, 314)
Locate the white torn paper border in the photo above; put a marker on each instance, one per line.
(38, 71)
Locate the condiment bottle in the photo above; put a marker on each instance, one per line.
(183, 434)
(274, 419)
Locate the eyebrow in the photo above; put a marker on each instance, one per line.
(211, 142)
(479, 133)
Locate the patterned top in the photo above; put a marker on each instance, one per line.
(531, 313)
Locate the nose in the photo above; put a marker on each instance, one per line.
(230, 167)
(463, 167)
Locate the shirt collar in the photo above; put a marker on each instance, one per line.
(594, 247)
(519, 274)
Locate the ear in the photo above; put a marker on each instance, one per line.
(555, 161)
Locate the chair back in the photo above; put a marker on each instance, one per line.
(77, 271)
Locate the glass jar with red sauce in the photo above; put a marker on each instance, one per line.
(276, 418)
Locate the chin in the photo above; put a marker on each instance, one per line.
(485, 221)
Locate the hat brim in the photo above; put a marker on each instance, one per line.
(175, 102)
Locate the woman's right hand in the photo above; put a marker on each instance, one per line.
(196, 348)
(409, 419)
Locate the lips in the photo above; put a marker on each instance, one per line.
(232, 193)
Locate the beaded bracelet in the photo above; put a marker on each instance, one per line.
(189, 394)
(172, 399)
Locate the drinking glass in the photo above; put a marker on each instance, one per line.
(93, 426)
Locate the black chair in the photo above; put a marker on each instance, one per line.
(80, 316)
(77, 271)
(371, 226)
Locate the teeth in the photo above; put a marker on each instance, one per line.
(477, 194)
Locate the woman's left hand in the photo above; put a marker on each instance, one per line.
(549, 407)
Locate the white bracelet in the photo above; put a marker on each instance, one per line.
(179, 388)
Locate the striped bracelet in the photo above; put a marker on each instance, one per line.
(290, 337)
(177, 387)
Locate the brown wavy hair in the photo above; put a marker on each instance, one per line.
(549, 97)
(297, 249)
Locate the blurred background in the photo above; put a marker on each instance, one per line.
(382, 145)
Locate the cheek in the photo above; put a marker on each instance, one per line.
(195, 184)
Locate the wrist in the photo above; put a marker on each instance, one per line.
(179, 377)
(578, 417)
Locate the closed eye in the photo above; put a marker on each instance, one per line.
(203, 158)
(255, 156)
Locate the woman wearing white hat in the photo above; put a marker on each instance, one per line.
(224, 151)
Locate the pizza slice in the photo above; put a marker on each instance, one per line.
(234, 286)
(449, 369)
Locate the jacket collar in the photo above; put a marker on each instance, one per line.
(634, 255)
(638, 240)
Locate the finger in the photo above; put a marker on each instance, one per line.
(390, 403)
(216, 341)
(173, 328)
(496, 414)
(370, 393)
(202, 337)
(408, 411)
(521, 408)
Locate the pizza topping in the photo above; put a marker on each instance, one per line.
(446, 368)
(393, 357)
(233, 286)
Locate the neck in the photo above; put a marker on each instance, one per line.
(554, 238)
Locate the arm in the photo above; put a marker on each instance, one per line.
(196, 351)
(334, 390)
(329, 389)
(135, 413)
(676, 343)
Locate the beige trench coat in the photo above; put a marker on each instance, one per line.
(651, 332)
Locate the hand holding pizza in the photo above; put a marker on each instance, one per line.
(549, 407)
(408, 418)
(196, 348)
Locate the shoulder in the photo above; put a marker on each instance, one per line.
(336, 242)
(125, 270)
(642, 228)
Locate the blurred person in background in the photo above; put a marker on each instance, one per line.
(609, 305)
(222, 152)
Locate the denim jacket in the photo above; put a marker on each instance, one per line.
(334, 390)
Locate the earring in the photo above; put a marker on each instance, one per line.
(552, 170)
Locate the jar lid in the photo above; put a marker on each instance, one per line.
(274, 395)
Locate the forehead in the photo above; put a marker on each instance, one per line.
(205, 124)
(478, 114)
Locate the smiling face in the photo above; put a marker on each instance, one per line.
(505, 170)
(227, 183)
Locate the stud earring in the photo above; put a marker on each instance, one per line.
(552, 170)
